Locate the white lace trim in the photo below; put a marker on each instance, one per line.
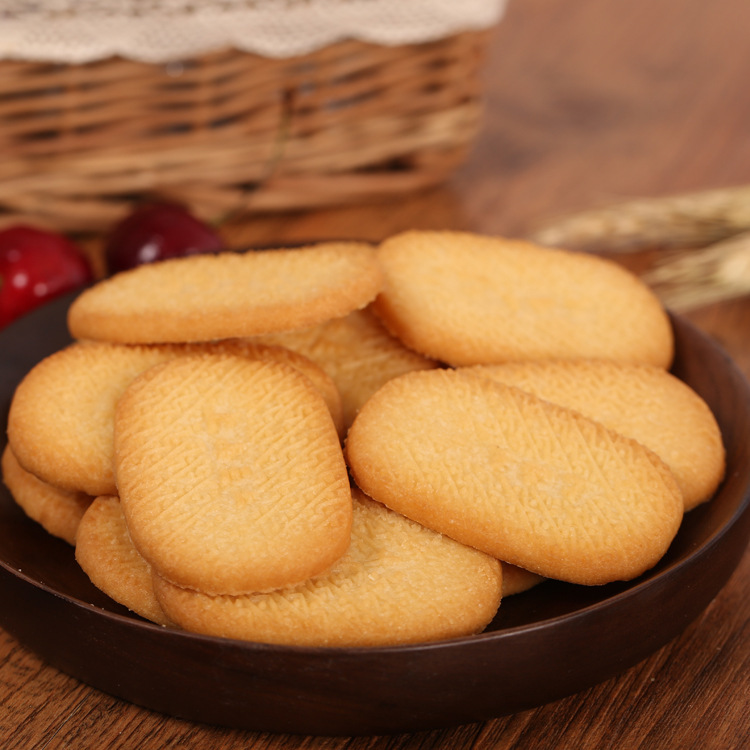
(157, 31)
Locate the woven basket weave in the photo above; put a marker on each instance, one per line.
(231, 132)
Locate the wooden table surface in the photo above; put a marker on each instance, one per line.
(588, 103)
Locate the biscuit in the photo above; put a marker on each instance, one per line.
(527, 481)
(399, 583)
(270, 352)
(61, 418)
(641, 402)
(58, 511)
(467, 299)
(231, 474)
(227, 295)
(357, 352)
(517, 580)
(107, 556)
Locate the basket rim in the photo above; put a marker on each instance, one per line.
(255, 26)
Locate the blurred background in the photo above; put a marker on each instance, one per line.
(492, 117)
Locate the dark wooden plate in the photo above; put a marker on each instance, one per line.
(545, 644)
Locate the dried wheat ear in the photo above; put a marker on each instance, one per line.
(704, 236)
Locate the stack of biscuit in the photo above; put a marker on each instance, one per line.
(347, 445)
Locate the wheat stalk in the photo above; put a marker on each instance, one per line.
(694, 278)
(687, 220)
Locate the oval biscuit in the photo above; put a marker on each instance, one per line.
(532, 483)
(271, 352)
(517, 580)
(642, 402)
(107, 556)
(62, 414)
(398, 583)
(227, 295)
(357, 352)
(57, 511)
(61, 418)
(231, 474)
(468, 299)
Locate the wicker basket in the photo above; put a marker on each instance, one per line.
(231, 132)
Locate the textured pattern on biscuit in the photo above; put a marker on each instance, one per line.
(231, 474)
(398, 583)
(644, 403)
(205, 297)
(532, 483)
(107, 556)
(270, 352)
(357, 352)
(61, 419)
(467, 299)
(56, 510)
(62, 413)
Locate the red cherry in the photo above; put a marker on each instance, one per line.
(36, 266)
(157, 231)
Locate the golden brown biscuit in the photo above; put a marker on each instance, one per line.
(357, 352)
(62, 414)
(206, 297)
(398, 583)
(61, 419)
(517, 580)
(231, 474)
(532, 483)
(322, 381)
(641, 402)
(58, 511)
(468, 299)
(107, 556)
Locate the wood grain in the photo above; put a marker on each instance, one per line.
(587, 102)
